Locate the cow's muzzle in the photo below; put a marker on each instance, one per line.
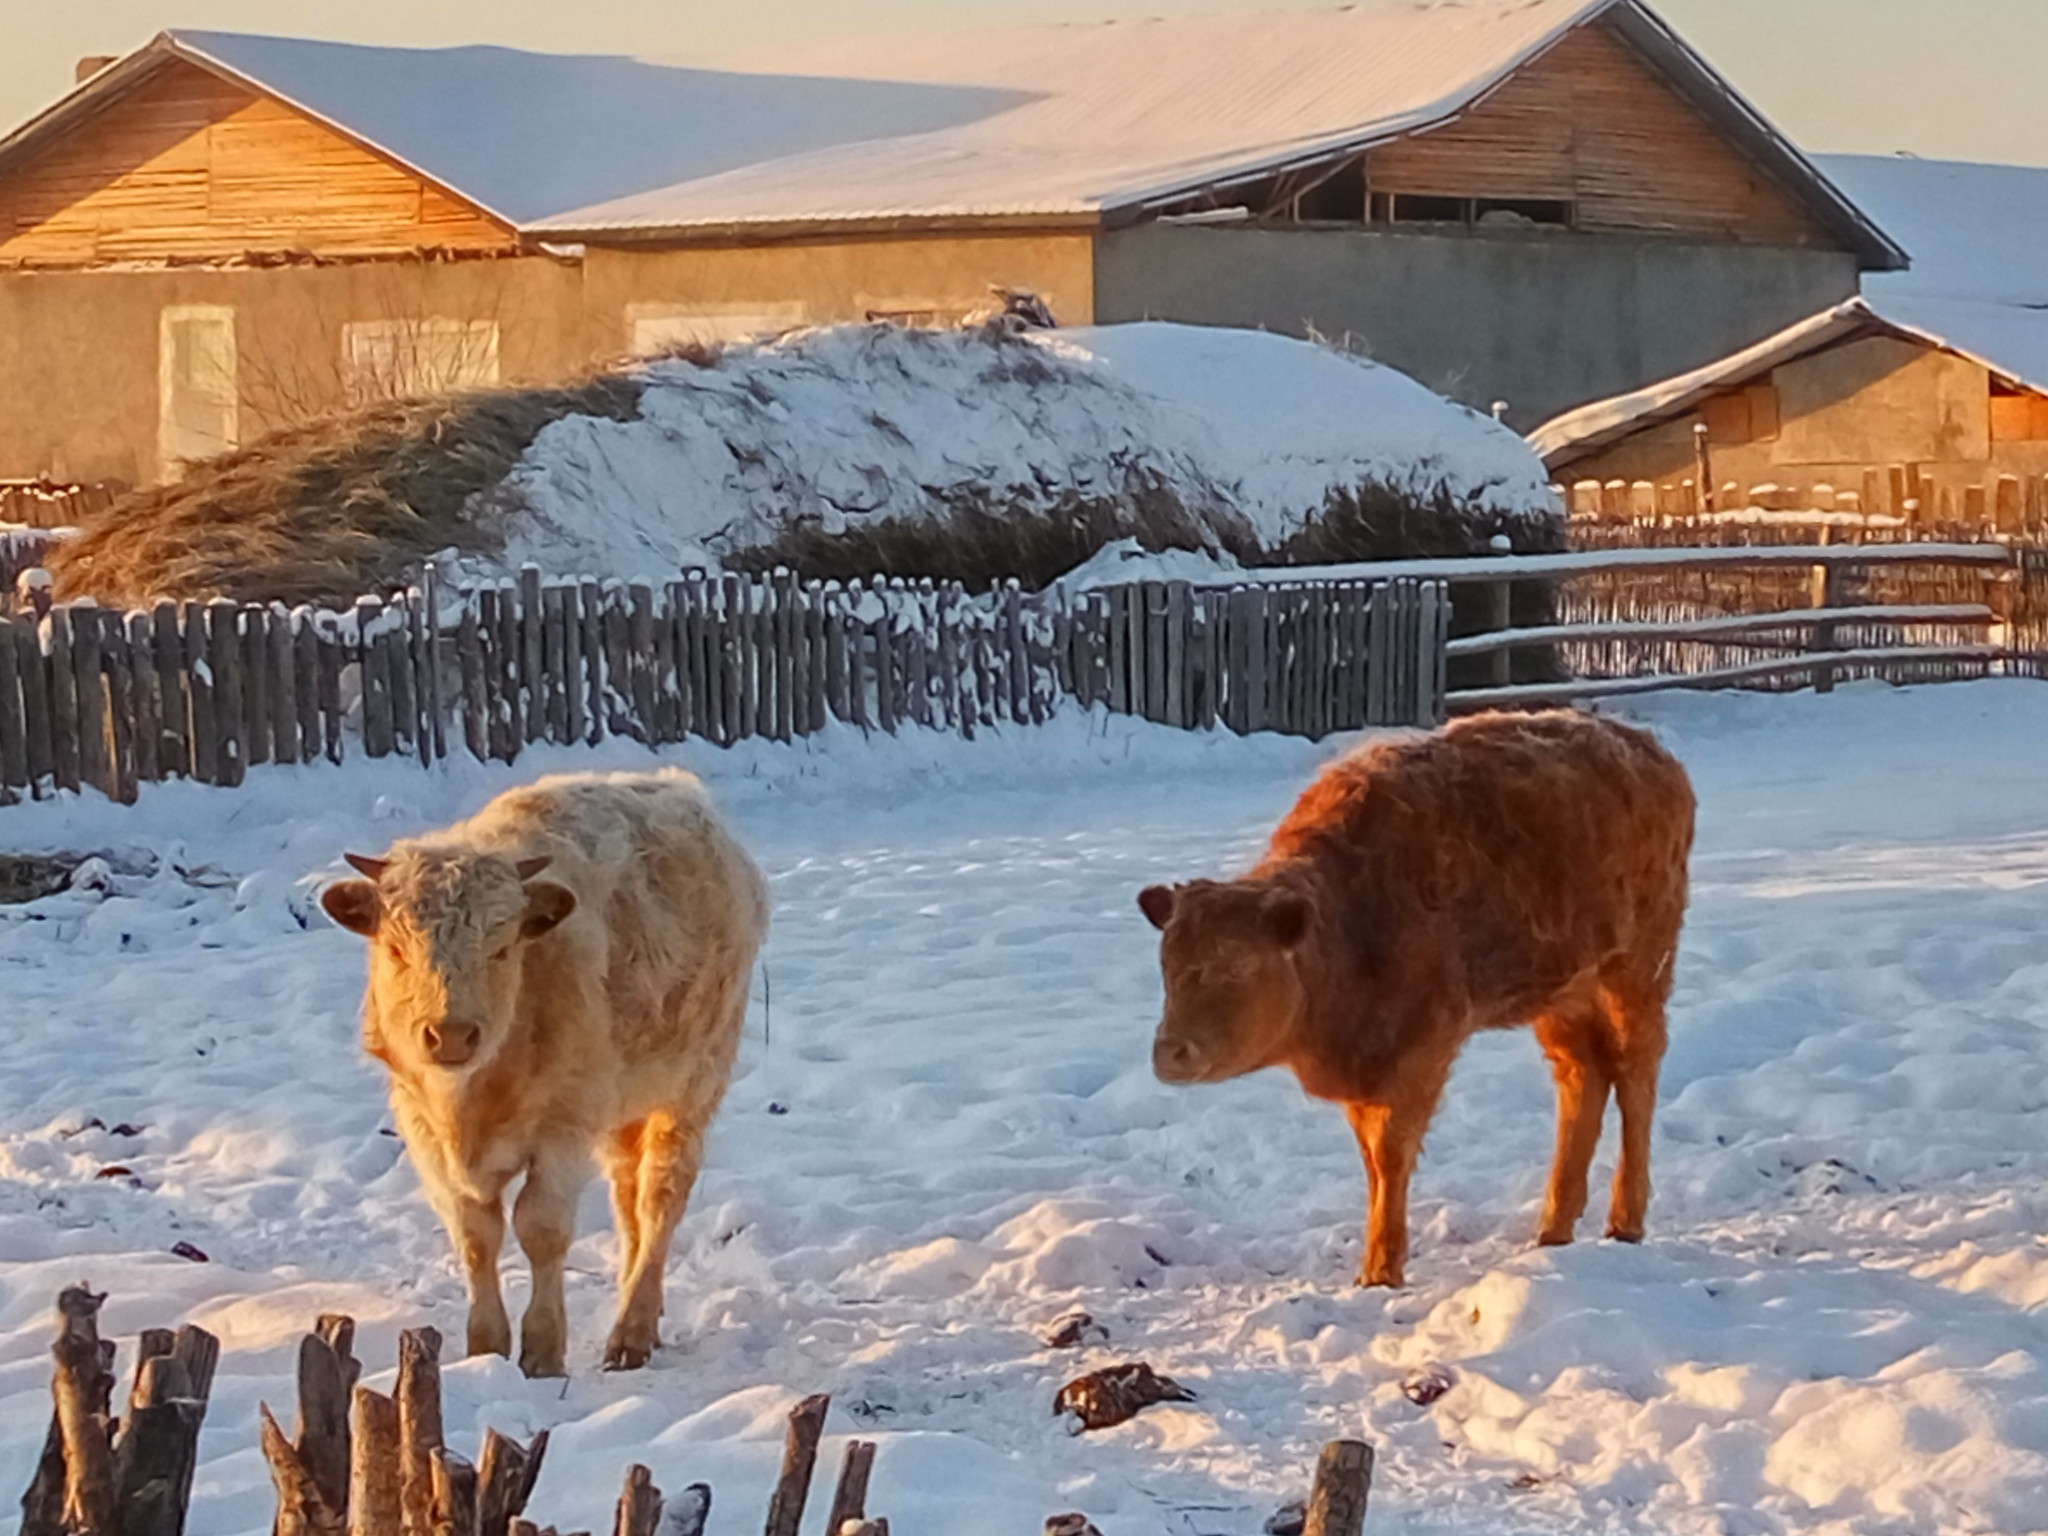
(1175, 1061)
(453, 1042)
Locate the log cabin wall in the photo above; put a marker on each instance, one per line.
(187, 164)
(1593, 124)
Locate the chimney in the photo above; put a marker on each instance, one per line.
(92, 64)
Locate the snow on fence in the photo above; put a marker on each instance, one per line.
(1897, 495)
(207, 690)
(21, 550)
(1641, 620)
(49, 503)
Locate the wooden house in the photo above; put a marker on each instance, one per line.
(1924, 401)
(1538, 202)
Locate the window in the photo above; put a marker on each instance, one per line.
(383, 359)
(198, 414)
(653, 328)
(1473, 212)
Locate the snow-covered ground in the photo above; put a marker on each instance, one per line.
(1250, 433)
(945, 1134)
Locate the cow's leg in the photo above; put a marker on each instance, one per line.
(671, 1153)
(1639, 1030)
(622, 1168)
(479, 1229)
(1390, 1135)
(545, 1218)
(1577, 1048)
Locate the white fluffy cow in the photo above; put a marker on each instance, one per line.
(567, 970)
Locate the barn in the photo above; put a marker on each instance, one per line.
(1533, 202)
(1924, 400)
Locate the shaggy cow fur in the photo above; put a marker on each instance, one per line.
(527, 1020)
(1511, 869)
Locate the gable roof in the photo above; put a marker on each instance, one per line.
(1978, 287)
(1081, 123)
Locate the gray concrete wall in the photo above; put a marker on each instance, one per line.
(1545, 323)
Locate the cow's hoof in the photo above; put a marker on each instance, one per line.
(626, 1357)
(1386, 1279)
(542, 1364)
(628, 1350)
(1625, 1234)
(1554, 1237)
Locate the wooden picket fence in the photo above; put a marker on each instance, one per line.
(207, 690)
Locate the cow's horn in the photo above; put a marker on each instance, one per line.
(371, 868)
(528, 868)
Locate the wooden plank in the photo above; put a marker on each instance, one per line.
(63, 697)
(431, 660)
(224, 655)
(691, 657)
(282, 688)
(673, 659)
(880, 648)
(1119, 650)
(396, 644)
(374, 664)
(1734, 625)
(532, 655)
(473, 701)
(174, 706)
(95, 765)
(800, 1454)
(316, 665)
(1179, 635)
(489, 672)
(783, 587)
(815, 648)
(589, 606)
(331, 654)
(255, 627)
(1722, 677)
(507, 651)
(117, 657)
(857, 651)
(628, 678)
(641, 659)
(38, 722)
(1019, 659)
(575, 703)
(14, 779)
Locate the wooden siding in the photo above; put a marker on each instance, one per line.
(1593, 122)
(188, 164)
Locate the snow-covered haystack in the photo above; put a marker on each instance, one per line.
(978, 455)
(975, 454)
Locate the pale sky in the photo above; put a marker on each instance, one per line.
(1944, 79)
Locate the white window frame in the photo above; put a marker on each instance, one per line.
(386, 359)
(179, 442)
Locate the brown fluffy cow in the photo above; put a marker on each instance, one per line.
(527, 1020)
(1511, 869)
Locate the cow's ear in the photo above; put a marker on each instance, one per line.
(546, 905)
(354, 904)
(1285, 916)
(1156, 902)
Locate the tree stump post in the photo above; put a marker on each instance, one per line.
(1336, 1507)
(850, 1498)
(419, 1426)
(375, 1498)
(799, 1456)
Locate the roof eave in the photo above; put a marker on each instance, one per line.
(1732, 111)
(739, 231)
(86, 97)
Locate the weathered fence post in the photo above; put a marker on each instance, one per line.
(1826, 586)
(800, 1455)
(1336, 1507)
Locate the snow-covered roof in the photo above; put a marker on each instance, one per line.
(1977, 232)
(1078, 121)
(1978, 287)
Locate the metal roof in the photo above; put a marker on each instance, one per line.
(1073, 123)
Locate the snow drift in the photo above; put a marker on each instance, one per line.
(976, 454)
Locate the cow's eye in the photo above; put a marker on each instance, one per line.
(501, 954)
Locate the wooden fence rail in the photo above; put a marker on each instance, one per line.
(1640, 620)
(208, 690)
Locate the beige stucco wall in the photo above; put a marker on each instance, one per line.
(79, 388)
(828, 281)
(1869, 404)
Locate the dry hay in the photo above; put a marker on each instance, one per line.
(327, 510)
